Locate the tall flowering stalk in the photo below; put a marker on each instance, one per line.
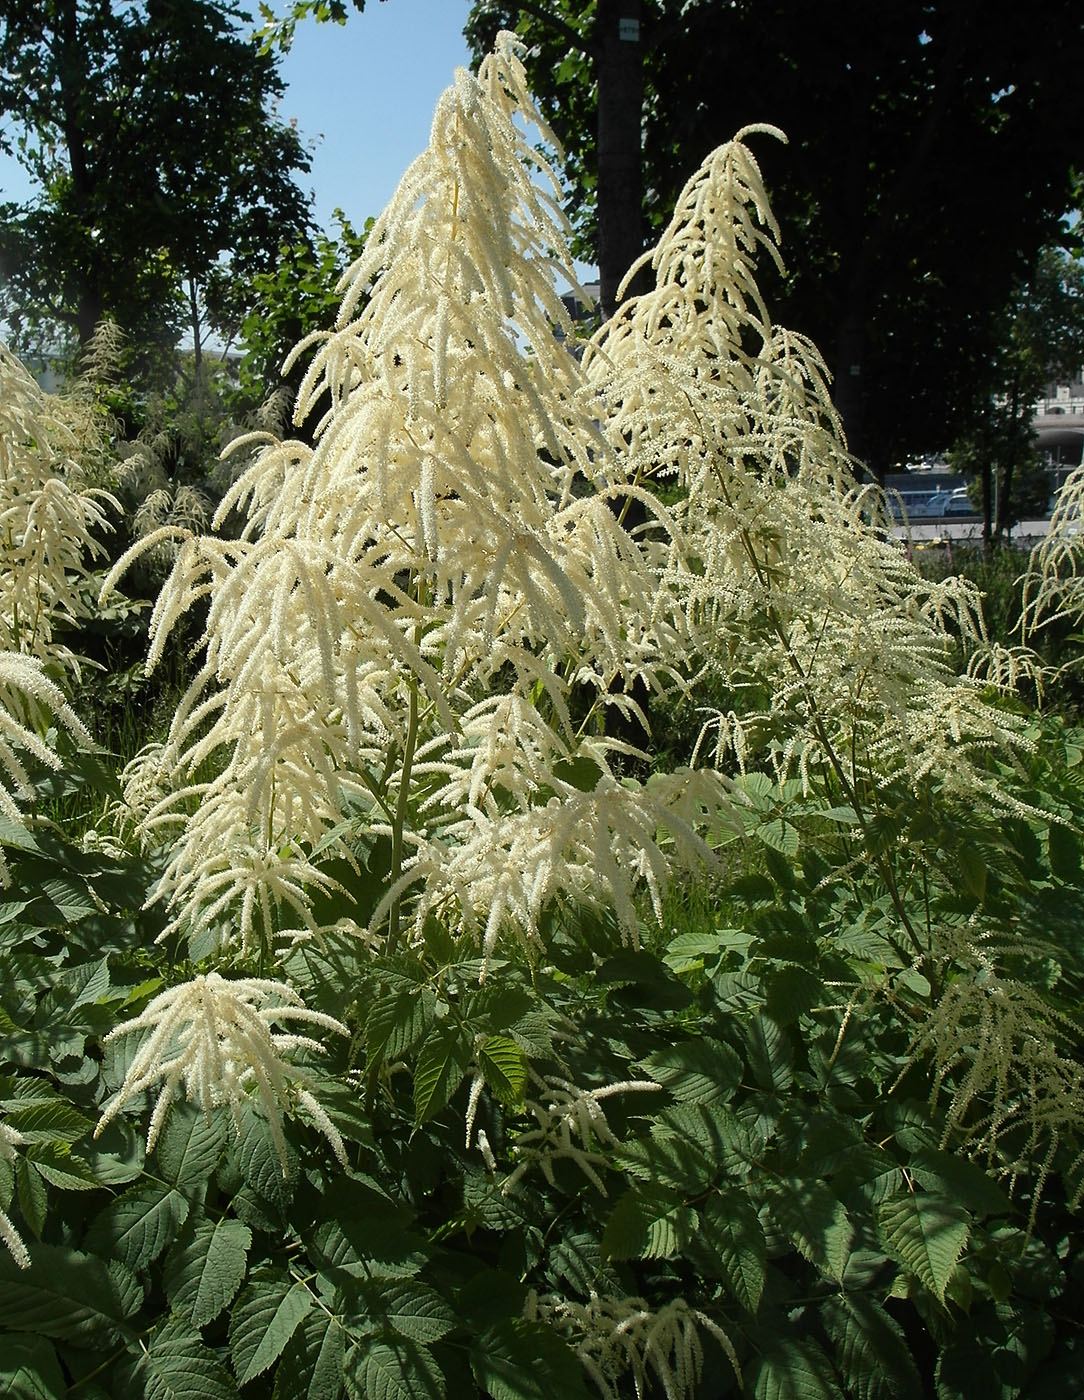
(426, 613)
(50, 528)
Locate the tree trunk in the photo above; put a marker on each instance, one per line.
(619, 49)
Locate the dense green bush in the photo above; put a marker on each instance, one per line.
(386, 1036)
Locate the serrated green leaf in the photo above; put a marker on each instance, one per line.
(959, 1180)
(791, 992)
(204, 1269)
(399, 1370)
(779, 836)
(397, 1022)
(873, 1355)
(312, 1360)
(696, 1071)
(972, 870)
(520, 1360)
(138, 1226)
(259, 1161)
(33, 1196)
(49, 1120)
(815, 1221)
(926, 1235)
(732, 1237)
(648, 1223)
(264, 1318)
(64, 1294)
(504, 1066)
(178, 1366)
(673, 1161)
(442, 1063)
(61, 1167)
(408, 1308)
(770, 1055)
(364, 1234)
(29, 1369)
(1064, 847)
(190, 1146)
(791, 1368)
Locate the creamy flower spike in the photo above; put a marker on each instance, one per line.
(9, 1236)
(457, 524)
(214, 1037)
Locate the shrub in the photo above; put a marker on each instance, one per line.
(814, 1131)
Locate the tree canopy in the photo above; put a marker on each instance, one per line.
(165, 178)
(930, 158)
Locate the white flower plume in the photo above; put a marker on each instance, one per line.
(10, 1139)
(214, 1037)
(618, 1337)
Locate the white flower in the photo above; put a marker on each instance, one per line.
(570, 1123)
(9, 1141)
(214, 1036)
(613, 1336)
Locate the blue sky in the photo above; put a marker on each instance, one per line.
(364, 94)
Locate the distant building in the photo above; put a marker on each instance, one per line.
(1059, 422)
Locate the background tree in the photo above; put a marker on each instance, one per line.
(165, 178)
(907, 121)
(1041, 340)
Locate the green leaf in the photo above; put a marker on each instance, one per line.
(312, 1360)
(696, 1071)
(190, 1146)
(29, 1369)
(520, 1360)
(407, 1307)
(959, 1180)
(442, 1063)
(264, 1318)
(504, 1066)
(49, 1120)
(815, 1220)
(60, 1167)
(65, 1294)
(926, 1235)
(972, 870)
(137, 1226)
(399, 1370)
(1064, 847)
(791, 1368)
(259, 1161)
(648, 1223)
(396, 1023)
(33, 1196)
(732, 1240)
(873, 1354)
(792, 991)
(770, 1056)
(178, 1366)
(779, 836)
(204, 1269)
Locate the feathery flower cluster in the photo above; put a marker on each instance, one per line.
(1054, 581)
(1013, 1060)
(47, 547)
(454, 534)
(774, 574)
(614, 1337)
(570, 1122)
(10, 1139)
(48, 526)
(214, 1037)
